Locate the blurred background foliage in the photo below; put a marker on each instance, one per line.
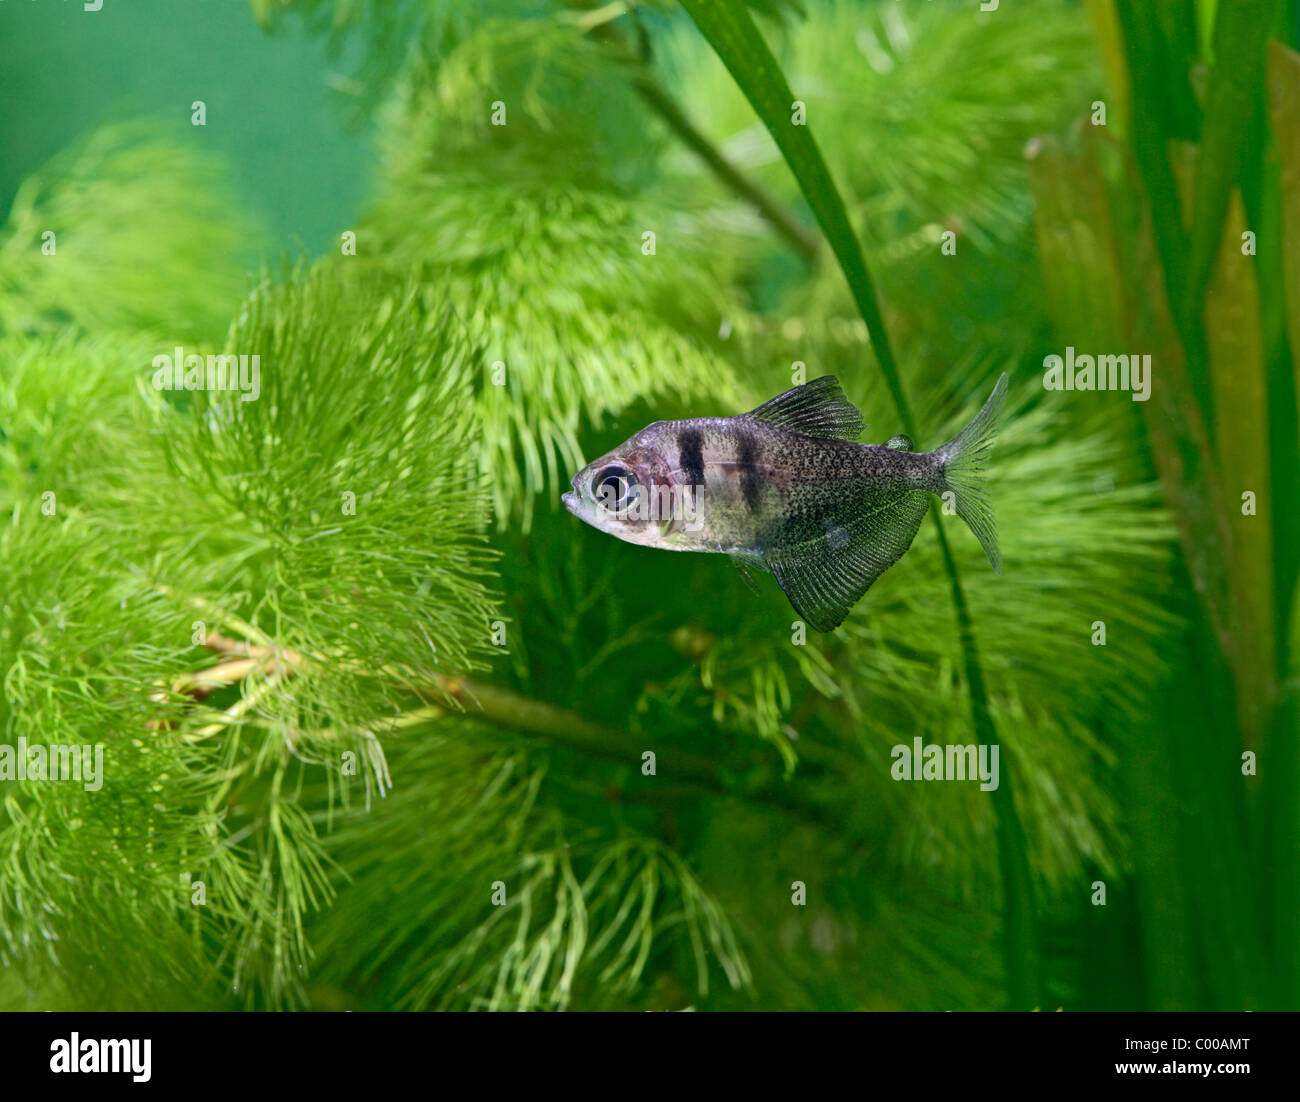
(360, 731)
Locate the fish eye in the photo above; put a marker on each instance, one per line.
(614, 487)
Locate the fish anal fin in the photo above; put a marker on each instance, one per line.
(818, 408)
(837, 557)
(749, 565)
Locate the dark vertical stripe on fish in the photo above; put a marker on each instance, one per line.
(691, 458)
(751, 482)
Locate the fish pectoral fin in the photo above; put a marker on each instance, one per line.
(749, 566)
(818, 408)
(825, 575)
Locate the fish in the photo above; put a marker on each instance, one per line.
(786, 489)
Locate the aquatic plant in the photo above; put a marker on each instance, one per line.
(385, 727)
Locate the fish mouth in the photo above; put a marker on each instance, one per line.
(570, 500)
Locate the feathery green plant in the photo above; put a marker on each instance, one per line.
(921, 110)
(589, 911)
(534, 232)
(281, 681)
(1172, 265)
(350, 616)
(90, 234)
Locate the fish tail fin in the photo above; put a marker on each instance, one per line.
(965, 462)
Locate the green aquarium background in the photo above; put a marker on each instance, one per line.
(384, 727)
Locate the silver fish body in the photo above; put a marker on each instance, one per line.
(786, 489)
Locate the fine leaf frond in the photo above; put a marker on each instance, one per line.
(585, 290)
(476, 898)
(128, 229)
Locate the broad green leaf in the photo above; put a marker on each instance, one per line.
(1113, 292)
(1164, 110)
(1205, 13)
(1282, 803)
(1284, 807)
(1110, 44)
(1081, 270)
(1240, 34)
(1241, 434)
(1103, 277)
(1284, 109)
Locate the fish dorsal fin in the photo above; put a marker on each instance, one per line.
(818, 408)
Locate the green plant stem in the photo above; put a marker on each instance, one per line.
(806, 243)
(502, 708)
(1021, 950)
(730, 30)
